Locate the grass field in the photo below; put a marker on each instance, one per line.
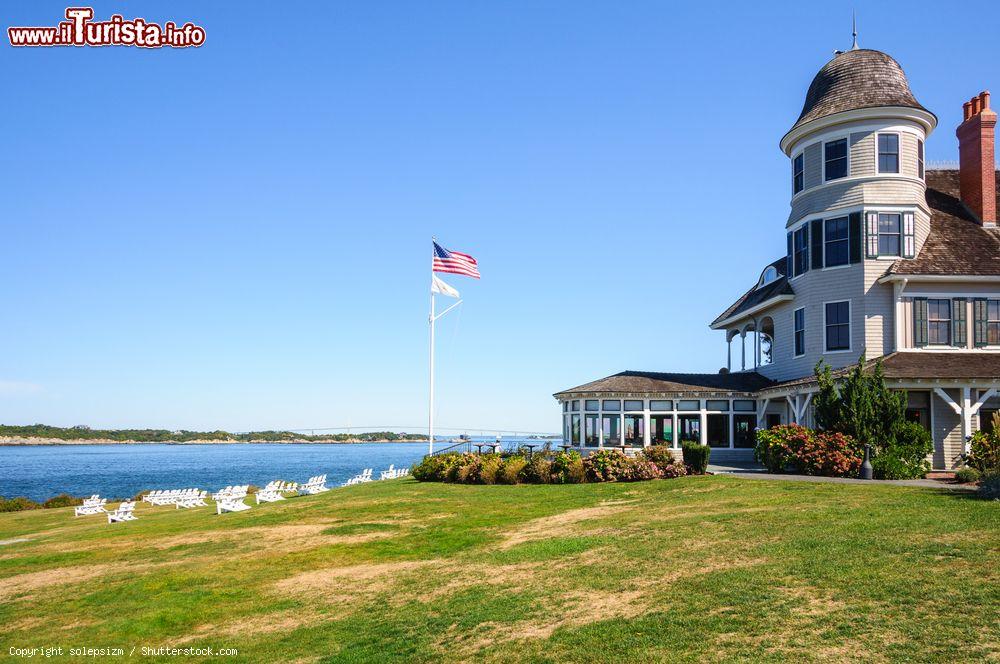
(700, 568)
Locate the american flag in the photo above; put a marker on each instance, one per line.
(454, 262)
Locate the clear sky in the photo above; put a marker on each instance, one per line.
(238, 236)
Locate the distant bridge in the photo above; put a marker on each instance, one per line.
(480, 430)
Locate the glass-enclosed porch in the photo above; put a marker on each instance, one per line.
(599, 422)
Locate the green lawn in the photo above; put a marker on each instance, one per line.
(700, 568)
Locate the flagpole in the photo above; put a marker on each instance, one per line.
(430, 405)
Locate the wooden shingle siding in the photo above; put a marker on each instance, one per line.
(947, 432)
(879, 318)
(812, 166)
(862, 154)
(891, 191)
(812, 290)
(908, 155)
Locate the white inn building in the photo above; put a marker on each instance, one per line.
(884, 256)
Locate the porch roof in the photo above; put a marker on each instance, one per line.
(650, 381)
(922, 365)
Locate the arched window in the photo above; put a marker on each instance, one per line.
(766, 340)
(770, 274)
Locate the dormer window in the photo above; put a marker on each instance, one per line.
(835, 159)
(798, 177)
(888, 153)
(769, 275)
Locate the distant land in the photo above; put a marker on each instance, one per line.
(42, 434)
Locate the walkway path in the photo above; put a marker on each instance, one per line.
(755, 472)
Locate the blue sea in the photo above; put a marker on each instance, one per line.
(42, 471)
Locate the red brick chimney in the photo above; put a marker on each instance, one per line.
(976, 170)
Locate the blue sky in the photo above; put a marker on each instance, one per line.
(238, 236)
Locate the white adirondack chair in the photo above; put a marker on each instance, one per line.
(123, 513)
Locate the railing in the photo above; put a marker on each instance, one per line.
(467, 444)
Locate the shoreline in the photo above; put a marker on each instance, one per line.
(38, 442)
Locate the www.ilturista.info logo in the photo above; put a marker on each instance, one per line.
(80, 30)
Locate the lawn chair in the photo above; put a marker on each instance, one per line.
(123, 513)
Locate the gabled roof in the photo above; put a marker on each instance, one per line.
(957, 244)
(757, 296)
(649, 381)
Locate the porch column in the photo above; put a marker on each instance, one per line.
(702, 423)
(645, 424)
(756, 344)
(743, 350)
(762, 412)
(966, 416)
(729, 352)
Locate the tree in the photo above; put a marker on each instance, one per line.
(863, 407)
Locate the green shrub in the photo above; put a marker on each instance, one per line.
(435, 468)
(905, 456)
(967, 476)
(512, 467)
(490, 466)
(469, 470)
(696, 457)
(538, 470)
(776, 446)
(567, 468)
(661, 455)
(606, 466)
(62, 500)
(989, 485)
(18, 504)
(984, 450)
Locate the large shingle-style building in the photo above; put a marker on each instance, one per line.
(884, 256)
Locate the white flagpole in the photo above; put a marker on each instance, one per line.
(430, 407)
(432, 318)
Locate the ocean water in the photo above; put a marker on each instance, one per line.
(42, 471)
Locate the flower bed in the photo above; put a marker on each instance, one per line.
(567, 467)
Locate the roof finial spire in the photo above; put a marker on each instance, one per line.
(854, 29)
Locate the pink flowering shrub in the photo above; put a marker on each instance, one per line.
(809, 452)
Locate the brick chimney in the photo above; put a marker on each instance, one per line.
(976, 136)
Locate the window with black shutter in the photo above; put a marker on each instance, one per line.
(789, 264)
(816, 233)
(938, 322)
(958, 331)
(980, 321)
(855, 235)
(836, 242)
(919, 322)
(801, 250)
